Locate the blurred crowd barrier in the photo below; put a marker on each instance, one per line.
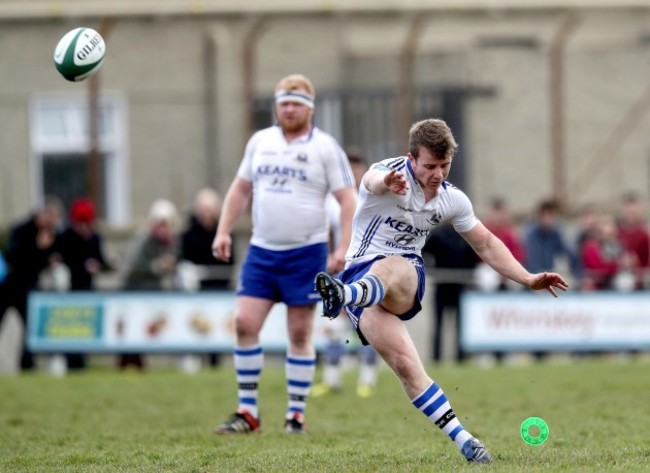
(498, 318)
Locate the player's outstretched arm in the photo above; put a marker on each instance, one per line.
(498, 256)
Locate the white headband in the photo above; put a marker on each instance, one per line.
(288, 96)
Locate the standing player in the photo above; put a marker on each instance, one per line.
(400, 200)
(288, 170)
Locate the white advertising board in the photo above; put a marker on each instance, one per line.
(529, 321)
(147, 322)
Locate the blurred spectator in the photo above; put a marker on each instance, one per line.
(604, 257)
(29, 252)
(545, 241)
(198, 269)
(196, 245)
(587, 223)
(454, 260)
(587, 227)
(499, 222)
(152, 259)
(633, 234)
(80, 249)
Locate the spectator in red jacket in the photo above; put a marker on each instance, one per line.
(603, 255)
(634, 235)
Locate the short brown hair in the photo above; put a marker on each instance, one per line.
(295, 82)
(434, 135)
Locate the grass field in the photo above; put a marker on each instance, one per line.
(161, 421)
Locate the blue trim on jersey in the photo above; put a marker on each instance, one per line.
(300, 410)
(395, 163)
(343, 160)
(248, 400)
(445, 184)
(410, 168)
(368, 234)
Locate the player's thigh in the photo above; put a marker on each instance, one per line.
(400, 280)
(250, 313)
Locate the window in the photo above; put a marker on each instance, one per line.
(60, 143)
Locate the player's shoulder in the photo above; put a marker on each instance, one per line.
(265, 133)
(398, 163)
(322, 137)
(454, 193)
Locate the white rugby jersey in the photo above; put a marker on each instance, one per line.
(392, 224)
(290, 184)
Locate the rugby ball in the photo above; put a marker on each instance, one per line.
(79, 54)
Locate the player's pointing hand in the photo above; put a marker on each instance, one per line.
(396, 182)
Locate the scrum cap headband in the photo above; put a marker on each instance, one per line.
(283, 96)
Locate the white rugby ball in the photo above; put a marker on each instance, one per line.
(79, 54)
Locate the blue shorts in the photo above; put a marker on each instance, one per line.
(283, 276)
(356, 272)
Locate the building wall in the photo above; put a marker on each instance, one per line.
(187, 117)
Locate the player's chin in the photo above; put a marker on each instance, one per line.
(290, 124)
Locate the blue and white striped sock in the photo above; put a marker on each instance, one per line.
(300, 376)
(365, 292)
(434, 404)
(248, 365)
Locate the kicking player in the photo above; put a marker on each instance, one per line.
(400, 200)
(288, 170)
(338, 331)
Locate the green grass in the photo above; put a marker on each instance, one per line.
(161, 421)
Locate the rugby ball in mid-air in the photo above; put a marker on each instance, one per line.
(79, 54)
